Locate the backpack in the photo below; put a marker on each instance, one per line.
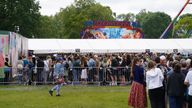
(66, 65)
(20, 66)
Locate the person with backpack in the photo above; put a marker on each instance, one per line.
(20, 70)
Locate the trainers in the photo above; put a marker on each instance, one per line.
(51, 92)
(58, 95)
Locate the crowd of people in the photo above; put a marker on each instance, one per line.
(167, 78)
(111, 69)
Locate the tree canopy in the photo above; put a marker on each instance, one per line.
(20, 13)
(69, 21)
(183, 27)
(153, 23)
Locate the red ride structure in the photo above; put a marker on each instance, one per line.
(164, 35)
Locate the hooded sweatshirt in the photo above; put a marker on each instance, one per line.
(154, 78)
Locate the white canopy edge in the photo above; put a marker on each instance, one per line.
(45, 46)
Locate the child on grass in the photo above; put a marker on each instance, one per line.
(57, 87)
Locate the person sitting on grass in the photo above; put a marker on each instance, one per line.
(57, 87)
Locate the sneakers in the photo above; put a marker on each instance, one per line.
(51, 92)
(58, 95)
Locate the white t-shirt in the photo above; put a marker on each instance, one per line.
(189, 80)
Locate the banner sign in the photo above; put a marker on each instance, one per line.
(111, 30)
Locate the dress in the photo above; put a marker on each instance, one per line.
(137, 97)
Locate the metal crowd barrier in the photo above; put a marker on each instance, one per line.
(74, 76)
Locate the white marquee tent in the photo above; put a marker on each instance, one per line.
(43, 46)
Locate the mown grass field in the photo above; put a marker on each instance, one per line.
(71, 97)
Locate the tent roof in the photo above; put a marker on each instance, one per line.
(108, 45)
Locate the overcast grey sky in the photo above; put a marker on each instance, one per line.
(171, 7)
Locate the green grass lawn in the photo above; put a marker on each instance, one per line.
(71, 97)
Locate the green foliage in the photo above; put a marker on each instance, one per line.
(74, 16)
(153, 24)
(45, 29)
(126, 17)
(69, 22)
(140, 17)
(183, 27)
(22, 13)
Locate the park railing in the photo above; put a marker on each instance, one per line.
(73, 76)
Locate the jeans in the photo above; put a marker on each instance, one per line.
(57, 88)
(91, 75)
(175, 101)
(75, 75)
(156, 97)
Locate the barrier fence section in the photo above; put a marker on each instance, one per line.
(74, 76)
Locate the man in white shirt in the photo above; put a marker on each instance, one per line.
(188, 82)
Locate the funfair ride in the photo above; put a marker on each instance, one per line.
(164, 35)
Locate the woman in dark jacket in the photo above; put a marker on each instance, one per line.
(175, 88)
(137, 97)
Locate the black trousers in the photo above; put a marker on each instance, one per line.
(156, 97)
(190, 102)
(6, 79)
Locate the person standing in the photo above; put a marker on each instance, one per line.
(7, 70)
(175, 88)
(84, 70)
(30, 73)
(188, 82)
(137, 97)
(25, 70)
(154, 80)
(114, 69)
(40, 66)
(161, 63)
(76, 69)
(91, 66)
(20, 70)
(46, 69)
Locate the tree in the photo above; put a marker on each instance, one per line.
(71, 19)
(45, 29)
(126, 17)
(153, 24)
(22, 13)
(183, 27)
(140, 17)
